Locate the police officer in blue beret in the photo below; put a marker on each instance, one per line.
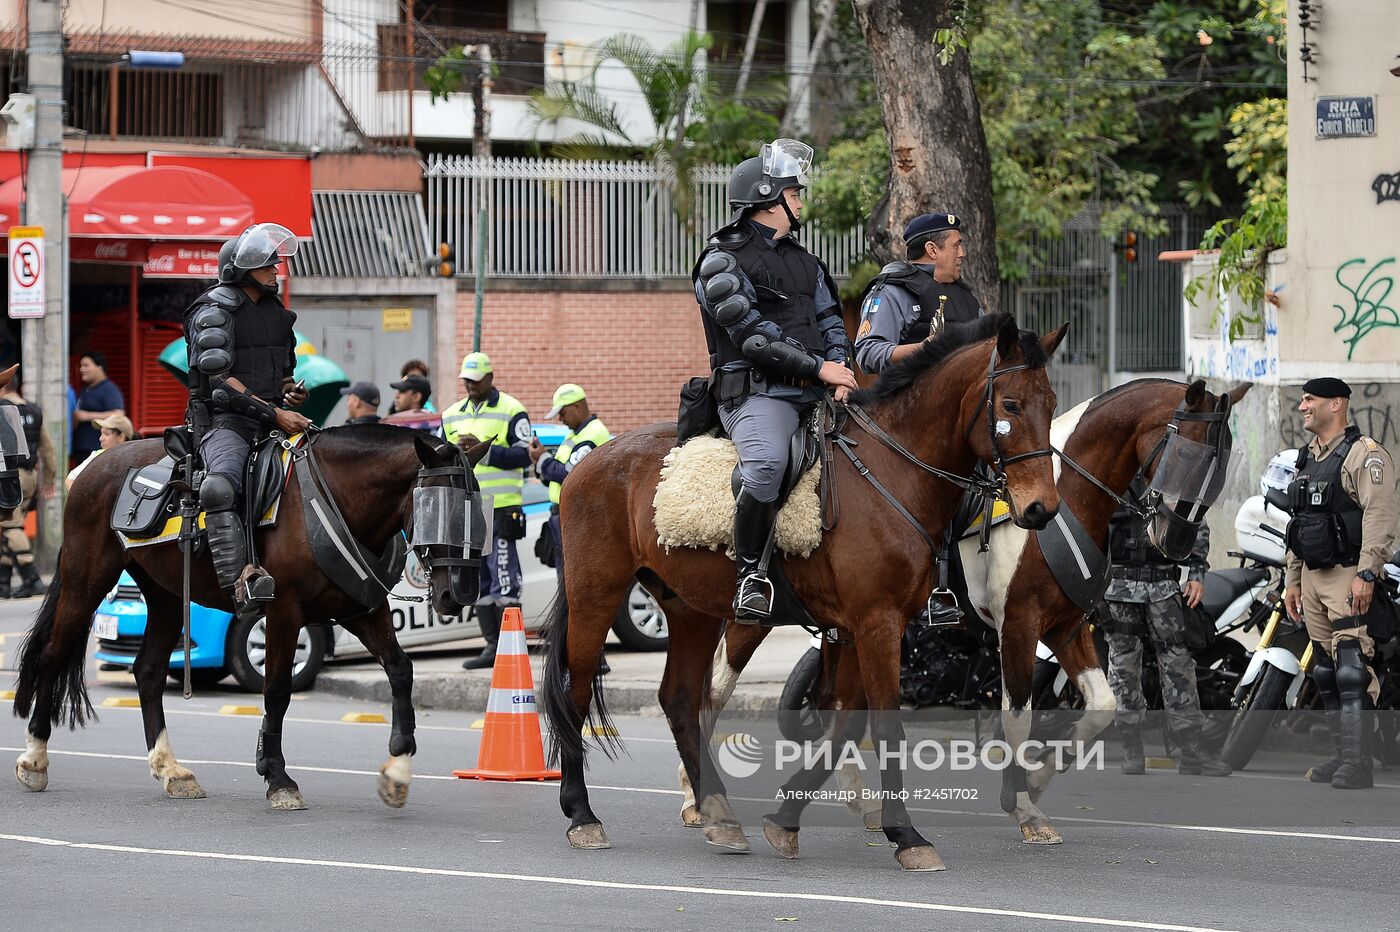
(776, 341)
(910, 301)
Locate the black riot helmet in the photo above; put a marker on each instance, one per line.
(259, 246)
(760, 181)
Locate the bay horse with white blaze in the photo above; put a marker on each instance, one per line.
(370, 472)
(978, 392)
(1114, 438)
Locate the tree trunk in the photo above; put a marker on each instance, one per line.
(938, 152)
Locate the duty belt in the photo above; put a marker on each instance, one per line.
(792, 381)
(1146, 573)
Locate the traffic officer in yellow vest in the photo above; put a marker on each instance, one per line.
(487, 413)
(586, 433)
(1339, 538)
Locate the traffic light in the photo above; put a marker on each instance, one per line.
(446, 260)
(1129, 246)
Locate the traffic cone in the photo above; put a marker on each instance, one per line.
(511, 744)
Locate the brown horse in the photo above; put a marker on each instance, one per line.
(1112, 437)
(940, 407)
(370, 472)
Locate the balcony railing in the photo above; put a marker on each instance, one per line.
(519, 56)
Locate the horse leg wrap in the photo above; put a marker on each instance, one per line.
(402, 744)
(1013, 781)
(269, 746)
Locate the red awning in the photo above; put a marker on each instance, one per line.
(165, 202)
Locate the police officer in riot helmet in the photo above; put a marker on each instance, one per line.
(910, 302)
(773, 327)
(1344, 513)
(242, 353)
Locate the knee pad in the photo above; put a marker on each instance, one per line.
(1353, 676)
(216, 493)
(1324, 671)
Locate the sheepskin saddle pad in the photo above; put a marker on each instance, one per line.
(694, 501)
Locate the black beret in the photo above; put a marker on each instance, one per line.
(1327, 387)
(925, 224)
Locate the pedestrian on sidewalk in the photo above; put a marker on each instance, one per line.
(36, 472)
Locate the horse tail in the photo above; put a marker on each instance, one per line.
(69, 697)
(565, 722)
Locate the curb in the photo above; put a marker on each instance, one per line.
(465, 692)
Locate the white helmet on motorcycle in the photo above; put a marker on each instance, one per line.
(1280, 472)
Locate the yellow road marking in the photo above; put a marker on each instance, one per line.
(7, 694)
(239, 710)
(122, 702)
(596, 731)
(478, 724)
(364, 718)
(1160, 763)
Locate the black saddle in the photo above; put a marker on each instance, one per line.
(1225, 586)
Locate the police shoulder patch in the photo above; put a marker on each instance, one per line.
(864, 329)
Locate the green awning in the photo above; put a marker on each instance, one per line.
(324, 379)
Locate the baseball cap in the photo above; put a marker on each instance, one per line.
(565, 395)
(475, 366)
(414, 383)
(118, 422)
(367, 392)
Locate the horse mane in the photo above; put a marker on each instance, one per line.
(1117, 389)
(369, 439)
(931, 355)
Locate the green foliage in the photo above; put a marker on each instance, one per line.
(1258, 151)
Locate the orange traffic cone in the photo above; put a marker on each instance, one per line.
(511, 745)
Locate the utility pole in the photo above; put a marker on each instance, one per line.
(46, 339)
(750, 46)
(814, 53)
(481, 153)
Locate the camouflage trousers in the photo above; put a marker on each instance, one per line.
(1162, 621)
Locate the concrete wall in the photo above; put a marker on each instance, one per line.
(630, 349)
(286, 20)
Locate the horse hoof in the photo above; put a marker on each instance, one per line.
(590, 837)
(391, 792)
(285, 800)
(872, 821)
(691, 817)
(36, 781)
(921, 858)
(1040, 832)
(783, 840)
(728, 836)
(183, 788)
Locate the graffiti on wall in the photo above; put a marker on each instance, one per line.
(1375, 407)
(1387, 188)
(1253, 359)
(1364, 310)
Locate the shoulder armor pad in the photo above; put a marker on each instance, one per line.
(225, 296)
(730, 236)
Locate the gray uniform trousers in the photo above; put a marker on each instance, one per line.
(762, 429)
(226, 446)
(1163, 622)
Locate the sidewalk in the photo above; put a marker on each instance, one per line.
(439, 682)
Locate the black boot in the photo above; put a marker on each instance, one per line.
(1353, 677)
(753, 523)
(489, 617)
(1324, 674)
(6, 575)
(1134, 764)
(1196, 759)
(249, 586)
(30, 583)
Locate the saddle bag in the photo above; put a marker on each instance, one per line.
(698, 413)
(146, 500)
(545, 550)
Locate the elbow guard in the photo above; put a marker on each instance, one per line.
(783, 357)
(212, 339)
(231, 399)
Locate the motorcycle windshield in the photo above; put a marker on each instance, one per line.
(1194, 473)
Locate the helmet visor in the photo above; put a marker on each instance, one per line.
(264, 244)
(787, 158)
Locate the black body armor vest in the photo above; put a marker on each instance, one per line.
(1325, 529)
(262, 345)
(785, 277)
(961, 305)
(1128, 543)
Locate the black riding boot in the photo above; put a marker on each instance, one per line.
(1353, 677)
(1324, 674)
(228, 548)
(753, 523)
(1196, 759)
(489, 617)
(1134, 764)
(6, 575)
(30, 583)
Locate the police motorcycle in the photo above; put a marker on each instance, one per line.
(1277, 680)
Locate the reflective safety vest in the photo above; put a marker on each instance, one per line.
(489, 421)
(593, 432)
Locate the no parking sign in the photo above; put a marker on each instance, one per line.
(26, 272)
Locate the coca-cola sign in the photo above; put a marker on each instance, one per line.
(120, 251)
(182, 260)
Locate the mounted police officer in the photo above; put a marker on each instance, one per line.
(776, 341)
(487, 413)
(910, 302)
(1145, 601)
(242, 354)
(1340, 536)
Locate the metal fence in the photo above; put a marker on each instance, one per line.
(551, 218)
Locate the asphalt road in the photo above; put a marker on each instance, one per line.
(104, 848)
